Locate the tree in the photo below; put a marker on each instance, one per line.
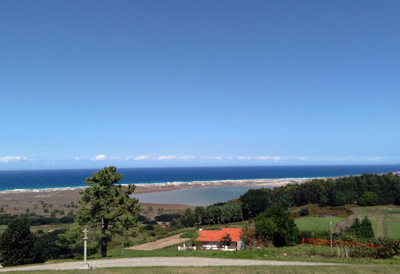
(275, 225)
(72, 239)
(323, 201)
(340, 198)
(225, 240)
(366, 231)
(254, 201)
(106, 202)
(19, 245)
(368, 199)
(199, 214)
(284, 201)
(361, 231)
(187, 218)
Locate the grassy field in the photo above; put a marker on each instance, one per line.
(392, 229)
(315, 223)
(364, 269)
(385, 219)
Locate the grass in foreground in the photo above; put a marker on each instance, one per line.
(305, 253)
(364, 269)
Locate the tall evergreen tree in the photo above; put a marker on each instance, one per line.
(106, 202)
(366, 231)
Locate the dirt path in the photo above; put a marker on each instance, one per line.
(157, 261)
(345, 223)
(161, 243)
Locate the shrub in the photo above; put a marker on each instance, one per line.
(149, 227)
(71, 237)
(388, 248)
(304, 212)
(54, 249)
(149, 222)
(178, 226)
(167, 217)
(274, 225)
(141, 218)
(66, 220)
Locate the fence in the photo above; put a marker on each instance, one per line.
(336, 243)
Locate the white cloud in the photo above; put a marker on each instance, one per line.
(100, 157)
(263, 158)
(244, 158)
(168, 158)
(186, 158)
(342, 159)
(163, 158)
(7, 159)
(218, 158)
(143, 158)
(77, 159)
(375, 159)
(115, 158)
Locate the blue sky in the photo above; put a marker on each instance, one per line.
(198, 83)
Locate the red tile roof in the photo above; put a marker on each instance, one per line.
(216, 235)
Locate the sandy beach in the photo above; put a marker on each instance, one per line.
(63, 199)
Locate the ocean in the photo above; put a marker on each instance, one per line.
(43, 179)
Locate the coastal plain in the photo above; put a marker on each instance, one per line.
(66, 199)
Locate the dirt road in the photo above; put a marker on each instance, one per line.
(157, 261)
(160, 243)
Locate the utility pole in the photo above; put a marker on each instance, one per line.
(330, 227)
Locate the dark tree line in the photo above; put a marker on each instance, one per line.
(365, 190)
(219, 213)
(35, 220)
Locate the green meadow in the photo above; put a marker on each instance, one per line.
(316, 223)
(385, 219)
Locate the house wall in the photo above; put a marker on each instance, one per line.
(210, 245)
(214, 245)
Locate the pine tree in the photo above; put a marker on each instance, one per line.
(106, 202)
(366, 231)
